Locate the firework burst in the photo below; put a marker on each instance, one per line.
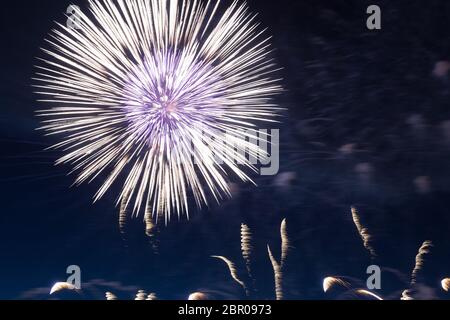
(137, 86)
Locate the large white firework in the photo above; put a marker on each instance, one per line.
(138, 85)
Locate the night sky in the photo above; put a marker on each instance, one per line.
(367, 123)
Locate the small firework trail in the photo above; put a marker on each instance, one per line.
(139, 84)
(149, 225)
(246, 247)
(233, 272)
(347, 288)
(246, 250)
(152, 297)
(141, 295)
(60, 286)
(198, 296)
(363, 232)
(111, 296)
(278, 266)
(423, 252)
(407, 295)
(284, 242)
(367, 294)
(123, 216)
(151, 230)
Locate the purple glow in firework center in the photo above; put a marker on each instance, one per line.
(169, 88)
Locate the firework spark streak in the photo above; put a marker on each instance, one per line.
(233, 272)
(137, 86)
(111, 296)
(246, 247)
(363, 232)
(445, 283)
(424, 251)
